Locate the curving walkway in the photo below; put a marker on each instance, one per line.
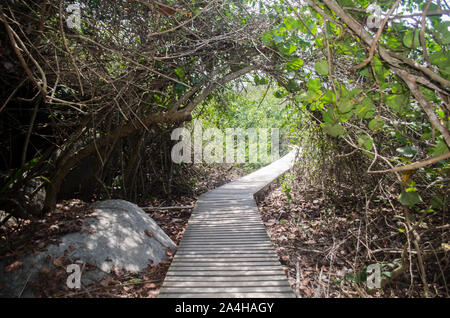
(225, 251)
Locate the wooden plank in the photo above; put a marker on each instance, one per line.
(225, 225)
(225, 272)
(222, 247)
(220, 206)
(230, 259)
(270, 283)
(230, 200)
(209, 263)
(224, 237)
(221, 290)
(260, 233)
(225, 211)
(200, 226)
(238, 234)
(225, 251)
(225, 208)
(226, 279)
(225, 267)
(231, 243)
(230, 254)
(244, 218)
(225, 246)
(232, 222)
(228, 227)
(227, 241)
(224, 233)
(225, 214)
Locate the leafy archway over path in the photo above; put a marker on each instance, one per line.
(131, 65)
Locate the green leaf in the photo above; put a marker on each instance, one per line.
(180, 72)
(440, 148)
(279, 93)
(440, 58)
(295, 64)
(426, 136)
(387, 274)
(411, 39)
(437, 201)
(365, 142)
(292, 48)
(376, 124)
(400, 138)
(334, 130)
(290, 23)
(259, 80)
(321, 67)
(366, 109)
(443, 35)
(398, 103)
(345, 105)
(45, 179)
(329, 97)
(407, 151)
(314, 84)
(293, 85)
(329, 117)
(267, 38)
(409, 198)
(16, 174)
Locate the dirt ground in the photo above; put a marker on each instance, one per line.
(326, 248)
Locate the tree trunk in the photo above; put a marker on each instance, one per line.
(70, 160)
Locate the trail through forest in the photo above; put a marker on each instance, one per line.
(104, 99)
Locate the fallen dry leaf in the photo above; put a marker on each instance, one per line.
(149, 285)
(105, 282)
(13, 266)
(150, 234)
(44, 269)
(58, 262)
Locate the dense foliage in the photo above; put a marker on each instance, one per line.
(362, 86)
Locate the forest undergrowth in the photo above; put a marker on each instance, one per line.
(32, 236)
(329, 228)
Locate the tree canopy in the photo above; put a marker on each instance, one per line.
(372, 75)
(91, 91)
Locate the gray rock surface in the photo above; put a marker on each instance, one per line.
(115, 236)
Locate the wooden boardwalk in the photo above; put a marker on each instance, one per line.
(225, 251)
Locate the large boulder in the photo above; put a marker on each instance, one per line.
(118, 234)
